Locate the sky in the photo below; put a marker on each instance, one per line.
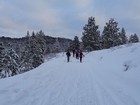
(65, 18)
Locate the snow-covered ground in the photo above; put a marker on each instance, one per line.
(107, 77)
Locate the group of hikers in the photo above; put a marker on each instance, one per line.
(76, 53)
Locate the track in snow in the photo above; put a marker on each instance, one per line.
(60, 83)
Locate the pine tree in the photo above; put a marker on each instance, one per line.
(13, 64)
(25, 58)
(33, 54)
(133, 38)
(76, 43)
(2, 59)
(41, 42)
(91, 35)
(136, 38)
(122, 37)
(110, 34)
(38, 57)
(4, 62)
(28, 34)
(57, 47)
(71, 47)
(8, 62)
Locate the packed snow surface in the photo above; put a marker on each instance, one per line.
(106, 77)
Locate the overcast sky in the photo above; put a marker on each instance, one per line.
(65, 18)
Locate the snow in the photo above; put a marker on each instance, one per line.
(106, 77)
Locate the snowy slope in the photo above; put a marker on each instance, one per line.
(107, 77)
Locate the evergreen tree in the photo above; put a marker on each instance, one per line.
(57, 47)
(4, 62)
(2, 59)
(71, 47)
(33, 54)
(136, 38)
(76, 43)
(25, 58)
(13, 64)
(28, 34)
(91, 35)
(122, 37)
(133, 38)
(41, 42)
(110, 34)
(8, 62)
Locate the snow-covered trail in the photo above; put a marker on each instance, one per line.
(57, 82)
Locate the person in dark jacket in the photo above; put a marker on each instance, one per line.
(77, 54)
(81, 55)
(73, 51)
(68, 55)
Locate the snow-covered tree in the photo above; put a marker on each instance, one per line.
(133, 38)
(25, 57)
(76, 43)
(13, 63)
(41, 41)
(91, 35)
(33, 54)
(56, 46)
(8, 62)
(110, 34)
(2, 60)
(122, 37)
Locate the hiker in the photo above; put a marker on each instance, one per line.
(81, 55)
(68, 55)
(73, 51)
(77, 54)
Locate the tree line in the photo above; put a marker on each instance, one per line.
(21, 55)
(111, 36)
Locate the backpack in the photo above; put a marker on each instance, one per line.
(68, 53)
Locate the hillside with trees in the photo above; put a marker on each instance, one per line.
(18, 55)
